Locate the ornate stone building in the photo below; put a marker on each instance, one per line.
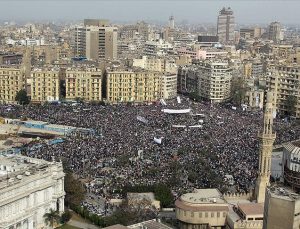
(28, 189)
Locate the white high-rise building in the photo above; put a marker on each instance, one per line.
(225, 27)
(29, 188)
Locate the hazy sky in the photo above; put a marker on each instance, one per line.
(246, 11)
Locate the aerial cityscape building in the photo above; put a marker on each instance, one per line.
(147, 123)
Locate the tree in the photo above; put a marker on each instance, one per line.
(74, 190)
(22, 97)
(290, 104)
(51, 218)
(238, 91)
(66, 216)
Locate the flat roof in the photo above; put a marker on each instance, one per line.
(200, 196)
(283, 192)
(252, 209)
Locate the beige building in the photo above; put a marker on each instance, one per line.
(83, 83)
(138, 86)
(282, 208)
(168, 86)
(284, 80)
(96, 40)
(12, 80)
(254, 98)
(214, 80)
(203, 209)
(45, 85)
(156, 64)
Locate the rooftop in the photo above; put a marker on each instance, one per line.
(283, 192)
(200, 196)
(252, 208)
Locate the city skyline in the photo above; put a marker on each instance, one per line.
(201, 11)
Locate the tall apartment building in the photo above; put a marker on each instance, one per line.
(12, 80)
(210, 79)
(83, 83)
(96, 40)
(45, 85)
(275, 33)
(29, 187)
(136, 86)
(168, 86)
(225, 27)
(284, 80)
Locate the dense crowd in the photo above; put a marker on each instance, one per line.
(223, 141)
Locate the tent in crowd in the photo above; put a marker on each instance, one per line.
(178, 99)
(196, 126)
(142, 119)
(158, 140)
(178, 126)
(163, 102)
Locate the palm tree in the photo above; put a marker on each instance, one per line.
(52, 217)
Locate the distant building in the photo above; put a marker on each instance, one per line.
(208, 39)
(254, 98)
(96, 40)
(29, 188)
(275, 32)
(225, 26)
(250, 33)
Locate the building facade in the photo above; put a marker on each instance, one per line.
(203, 209)
(139, 86)
(45, 85)
(284, 80)
(12, 80)
(168, 86)
(225, 27)
(275, 33)
(83, 83)
(33, 187)
(96, 42)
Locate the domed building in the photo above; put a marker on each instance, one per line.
(204, 208)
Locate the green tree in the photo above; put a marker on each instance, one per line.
(66, 216)
(74, 190)
(22, 97)
(238, 91)
(51, 218)
(290, 104)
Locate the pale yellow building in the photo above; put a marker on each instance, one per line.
(83, 83)
(45, 85)
(12, 80)
(138, 86)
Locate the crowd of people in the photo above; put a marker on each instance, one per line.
(209, 142)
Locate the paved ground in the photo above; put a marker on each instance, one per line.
(82, 225)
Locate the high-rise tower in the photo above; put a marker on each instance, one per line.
(172, 22)
(225, 27)
(266, 138)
